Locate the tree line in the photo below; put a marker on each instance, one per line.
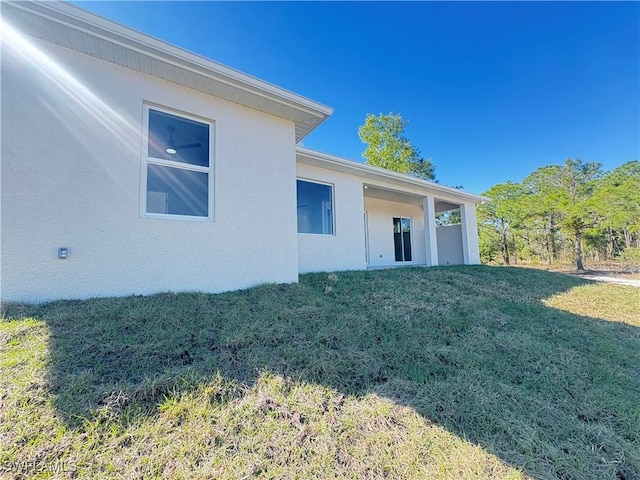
(575, 211)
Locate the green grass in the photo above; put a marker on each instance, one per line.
(459, 372)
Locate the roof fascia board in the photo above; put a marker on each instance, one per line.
(125, 37)
(319, 159)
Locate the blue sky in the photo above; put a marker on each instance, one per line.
(491, 90)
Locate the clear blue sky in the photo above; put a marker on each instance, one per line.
(491, 90)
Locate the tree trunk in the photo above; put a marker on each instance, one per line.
(577, 246)
(505, 249)
(627, 237)
(610, 244)
(547, 235)
(553, 228)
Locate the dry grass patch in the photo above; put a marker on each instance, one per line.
(616, 303)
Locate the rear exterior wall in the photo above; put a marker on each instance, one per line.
(70, 177)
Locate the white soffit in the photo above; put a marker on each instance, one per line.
(401, 196)
(74, 28)
(375, 174)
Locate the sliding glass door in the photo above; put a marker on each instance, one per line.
(402, 238)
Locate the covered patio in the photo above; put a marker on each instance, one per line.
(400, 229)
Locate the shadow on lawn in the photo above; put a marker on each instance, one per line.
(471, 348)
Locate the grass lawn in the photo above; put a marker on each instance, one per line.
(441, 373)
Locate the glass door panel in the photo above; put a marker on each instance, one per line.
(406, 238)
(397, 239)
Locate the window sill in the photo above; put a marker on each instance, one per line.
(317, 234)
(188, 218)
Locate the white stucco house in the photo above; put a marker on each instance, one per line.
(131, 166)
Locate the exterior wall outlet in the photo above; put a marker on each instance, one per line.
(63, 253)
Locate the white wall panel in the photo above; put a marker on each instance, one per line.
(450, 245)
(345, 249)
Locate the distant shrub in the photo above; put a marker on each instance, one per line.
(631, 257)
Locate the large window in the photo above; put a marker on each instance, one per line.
(315, 208)
(177, 166)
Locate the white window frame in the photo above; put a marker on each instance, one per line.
(333, 208)
(146, 160)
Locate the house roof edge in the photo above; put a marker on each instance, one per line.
(311, 113)
(321, 159)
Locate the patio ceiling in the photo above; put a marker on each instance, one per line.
(390, 195)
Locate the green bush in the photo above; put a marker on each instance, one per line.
(631, 257)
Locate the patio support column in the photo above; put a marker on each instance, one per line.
(430, 238)
(470, 244)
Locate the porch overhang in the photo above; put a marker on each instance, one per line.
(382, 179)
(402, 196)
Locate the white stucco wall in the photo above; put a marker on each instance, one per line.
(70, 177)
(450, 245)
(344, 250)
(380, 215)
